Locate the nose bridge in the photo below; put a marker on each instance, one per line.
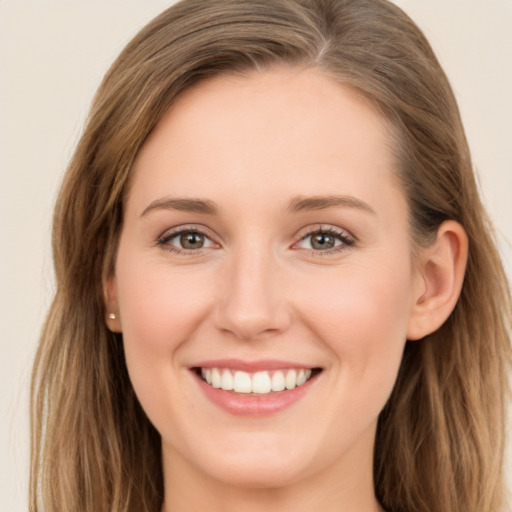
(253, 302)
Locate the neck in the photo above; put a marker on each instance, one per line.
(268, 500)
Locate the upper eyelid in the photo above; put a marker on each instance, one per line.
(328, 228)
(183, 228)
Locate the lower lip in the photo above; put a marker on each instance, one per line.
(241, 404)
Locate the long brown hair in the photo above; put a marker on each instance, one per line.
(440, 438)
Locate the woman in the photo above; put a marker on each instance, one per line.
(277, 286)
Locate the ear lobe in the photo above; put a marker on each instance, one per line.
(441, 267)
(112, 319)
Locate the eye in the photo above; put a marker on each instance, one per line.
(324, 240)
(185, 240)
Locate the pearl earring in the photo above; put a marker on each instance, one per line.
(112, 316)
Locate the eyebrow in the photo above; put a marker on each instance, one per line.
(296, 205)
(182, 204)
(301, 203)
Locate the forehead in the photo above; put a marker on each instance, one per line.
(267, 131)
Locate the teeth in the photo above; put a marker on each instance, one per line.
(291, 379)
(278, 382)
(216, 379)
(206, 373)
(260, 382)
(227, 381)
(242, 383)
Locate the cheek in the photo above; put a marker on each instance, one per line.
(363, 316)
(358, 301)
(159, 307)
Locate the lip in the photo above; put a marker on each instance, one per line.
(252, 366)
(253, 405)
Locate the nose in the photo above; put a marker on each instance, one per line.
(253, 301)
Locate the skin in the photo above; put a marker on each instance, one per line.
(258, 289)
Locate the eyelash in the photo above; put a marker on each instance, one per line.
(339, 235)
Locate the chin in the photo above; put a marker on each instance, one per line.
(256, 463)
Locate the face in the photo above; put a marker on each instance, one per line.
(265, 248)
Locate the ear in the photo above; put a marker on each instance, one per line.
(441, 268)
(112, 319)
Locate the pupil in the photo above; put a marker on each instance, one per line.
(192, 240)
(322, 241)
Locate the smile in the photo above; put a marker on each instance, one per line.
(255, 388)
(261, 382)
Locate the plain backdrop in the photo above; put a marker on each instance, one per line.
(53, 54)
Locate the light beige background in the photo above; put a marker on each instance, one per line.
(52, 56)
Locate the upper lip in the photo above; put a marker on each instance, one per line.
(252, 366)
